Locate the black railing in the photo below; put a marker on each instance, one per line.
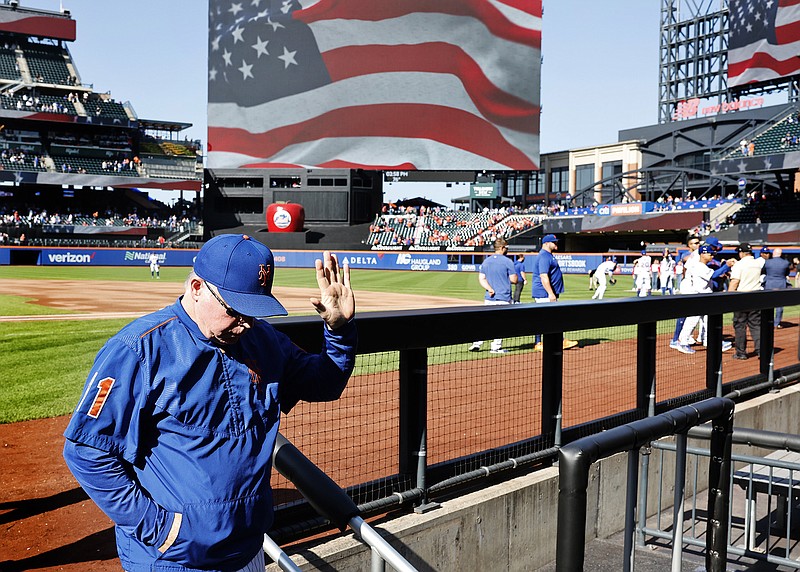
(412, 333)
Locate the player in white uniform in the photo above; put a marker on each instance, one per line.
(642, 274)
(696, 281)
(601, 274)
(154, 268)
(667, 274)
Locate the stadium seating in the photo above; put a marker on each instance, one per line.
(48, 64)
(106, 108)
(449, 228)
(37, 103)
(9, 68)
(782, 136)
(90, 165)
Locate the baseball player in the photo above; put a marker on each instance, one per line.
(698, 277)
(602, 273)
(154, 268)
(548, 283)
(684, 287)
(643, 274)
(667, 274)
(519, 267)
(496, 277)
(174, 432)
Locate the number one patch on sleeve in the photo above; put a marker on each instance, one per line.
(103, 389)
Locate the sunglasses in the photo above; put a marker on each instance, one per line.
(228, 310)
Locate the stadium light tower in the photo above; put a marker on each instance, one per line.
(693, 53)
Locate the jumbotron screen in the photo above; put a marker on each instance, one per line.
(763, 41)
(374, 84)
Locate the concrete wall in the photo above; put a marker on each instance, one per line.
(512, 526)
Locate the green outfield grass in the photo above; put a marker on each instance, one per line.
(44, 363)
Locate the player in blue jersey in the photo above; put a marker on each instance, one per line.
(548, 282)
(174, 433)
(496, 276)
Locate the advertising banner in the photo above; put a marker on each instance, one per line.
(402, 260)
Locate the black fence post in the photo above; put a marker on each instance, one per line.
(413, 371)
(714, 355)
(552, 381)
(719, 492)
(766, 351)
(646, 369)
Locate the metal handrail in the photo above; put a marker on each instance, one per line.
(333, 503)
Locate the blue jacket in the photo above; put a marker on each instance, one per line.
(173, 436)
(546, 263)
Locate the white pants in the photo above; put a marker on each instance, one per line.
(643, 284)
(689, 326)
(497, 343)
(601, 289)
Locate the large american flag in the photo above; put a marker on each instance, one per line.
(375, 84)
(764, 40)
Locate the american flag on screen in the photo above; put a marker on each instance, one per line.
(374, 84)
(764, 40)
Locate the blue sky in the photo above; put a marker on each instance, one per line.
(599, 74)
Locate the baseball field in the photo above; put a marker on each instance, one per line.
(54, 320)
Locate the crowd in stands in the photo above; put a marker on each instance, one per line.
(438, 226)
(789, 140)
(17, 158)
(409, 226)
(777, 137)
(32, 102)
(173, 223)
(766, 207)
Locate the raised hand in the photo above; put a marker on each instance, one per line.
(336, 303)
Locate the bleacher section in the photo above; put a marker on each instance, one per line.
(783, 136)
(77, 164)
(48, 64)
(9, 68)
(449, 228)
(37, 103)
(106, 108)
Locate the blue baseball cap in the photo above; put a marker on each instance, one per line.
(706, 249)
(765, 250)
(549, 238)
(242, 269)
(714, 242)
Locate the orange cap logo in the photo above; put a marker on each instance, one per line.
(263, 275)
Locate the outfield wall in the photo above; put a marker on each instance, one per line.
(418, 261)
(571, 263)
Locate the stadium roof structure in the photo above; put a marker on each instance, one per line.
(160, 125)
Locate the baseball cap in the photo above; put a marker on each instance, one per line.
(765, 250)
(644, 252)
(713, 242)
(706, 249)
(242, 269)
(744, 247)
(549, 238)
